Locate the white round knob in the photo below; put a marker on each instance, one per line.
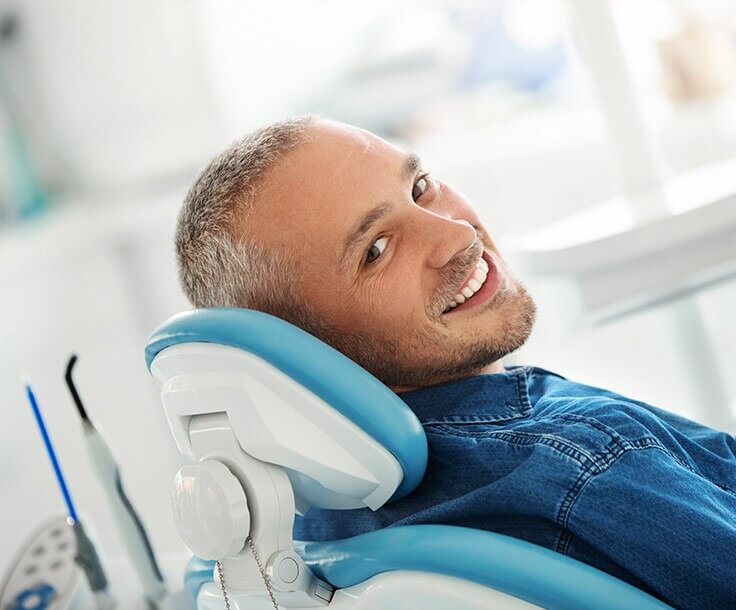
(288, 570)
(210, 509)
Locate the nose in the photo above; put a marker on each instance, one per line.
(445, 237)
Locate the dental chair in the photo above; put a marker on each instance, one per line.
(274, 422)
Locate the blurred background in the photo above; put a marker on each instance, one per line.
(597, 139)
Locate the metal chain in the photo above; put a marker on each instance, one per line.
(264, 577)
(261, 571)
(222, 585)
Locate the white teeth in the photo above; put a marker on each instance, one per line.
(474, 284)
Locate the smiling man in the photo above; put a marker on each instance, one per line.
(395, 265)
(349, 237)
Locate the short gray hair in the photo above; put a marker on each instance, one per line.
(216, 267)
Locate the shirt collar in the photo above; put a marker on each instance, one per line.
(478, 399)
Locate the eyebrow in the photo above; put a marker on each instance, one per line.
(409, 168)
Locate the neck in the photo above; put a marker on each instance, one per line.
(490, 369)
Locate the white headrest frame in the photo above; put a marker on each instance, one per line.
(330, 461)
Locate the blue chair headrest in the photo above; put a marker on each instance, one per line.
(330, 375)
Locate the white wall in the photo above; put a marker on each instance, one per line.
(112, 93)
(93, 281)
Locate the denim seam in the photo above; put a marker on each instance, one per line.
(522, 383)
(615, 451)
(646, 442)
(691, 469)
(559, 444)
(616, 447)
(564, 539)
(562, 543)
(516, 437)
(474, 419)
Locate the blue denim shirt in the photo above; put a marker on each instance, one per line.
(636, 491)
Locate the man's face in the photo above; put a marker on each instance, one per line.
(388, 253)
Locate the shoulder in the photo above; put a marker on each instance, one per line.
(588, 425)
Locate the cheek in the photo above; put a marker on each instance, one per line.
(328, 297)
(379, 297)
(365, 309)
(391, 298)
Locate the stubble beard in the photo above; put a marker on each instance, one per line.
(427, 359)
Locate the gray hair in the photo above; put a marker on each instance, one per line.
(216, 267)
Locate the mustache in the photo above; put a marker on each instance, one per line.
(454, 272)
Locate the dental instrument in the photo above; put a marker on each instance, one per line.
(126, 519)
(86, 556)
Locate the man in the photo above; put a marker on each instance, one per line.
(341, 233)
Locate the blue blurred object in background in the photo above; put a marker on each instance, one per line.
(26, 196)
(527, 60)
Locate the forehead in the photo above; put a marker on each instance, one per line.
(315, 193)
(336, 159)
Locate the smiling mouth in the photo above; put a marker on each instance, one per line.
(480, 285)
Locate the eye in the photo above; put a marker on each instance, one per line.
(420, 187)
(376, 249)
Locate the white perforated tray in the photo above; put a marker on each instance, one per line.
(43, 575)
